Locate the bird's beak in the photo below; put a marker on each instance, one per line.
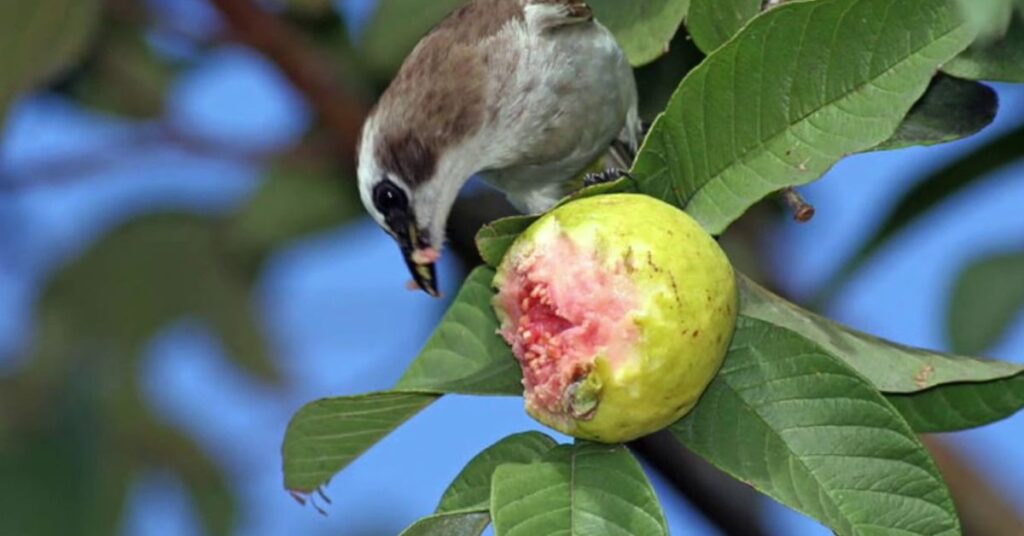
(422, 267)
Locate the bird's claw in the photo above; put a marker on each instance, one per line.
(605, 176)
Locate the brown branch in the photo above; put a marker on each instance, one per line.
(311, 73)
(803, 211)
(55, 171)
(983, 509)
(733, 507)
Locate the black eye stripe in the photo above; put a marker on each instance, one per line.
(388, 197)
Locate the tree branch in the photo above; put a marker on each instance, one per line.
(310, 72)
(731, 506)
(55, 171)
(983, 509)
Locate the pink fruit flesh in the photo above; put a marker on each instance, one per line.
(564, 309)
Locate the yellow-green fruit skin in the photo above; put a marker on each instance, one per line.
(686, 307)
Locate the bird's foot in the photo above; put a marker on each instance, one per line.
(605, 176)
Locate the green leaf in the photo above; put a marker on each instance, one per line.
(643, 28)
(891, 367)
(41, 39)
(988, 19)
(308, 7)
(713, 22)
(1001, 60)
(495, 238)
(69, 456)
(935, 392)
(800, 87)
(583, 490)
(124, 74)
(210, 489)
(960, 406)
(465, 354)
(928, 194)
(396, 27)
(298, 198)
(152, 272)
(987, 299)
(465, 523)
(951, 109)
(471, 490)
(798, 425)
(327, 435)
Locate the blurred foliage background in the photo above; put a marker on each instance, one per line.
(138, 208)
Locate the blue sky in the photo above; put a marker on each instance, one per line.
(341, 322)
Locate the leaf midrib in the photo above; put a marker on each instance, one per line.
(745, 154)
(826, 492)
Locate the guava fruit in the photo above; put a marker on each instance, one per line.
(619, 309)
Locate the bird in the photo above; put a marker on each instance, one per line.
(525, 94)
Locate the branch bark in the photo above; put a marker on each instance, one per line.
(983, 509)
(310, 72)
(733, 507)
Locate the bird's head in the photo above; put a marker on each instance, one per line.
(409, 187)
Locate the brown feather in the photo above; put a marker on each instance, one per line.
(439, 96)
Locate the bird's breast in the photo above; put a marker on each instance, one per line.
(560, 105)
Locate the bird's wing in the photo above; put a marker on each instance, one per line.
(623, 150)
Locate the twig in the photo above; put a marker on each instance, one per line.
(803, 211)
(733, 507)
(982, 508)
(55, 171)
(311, 73)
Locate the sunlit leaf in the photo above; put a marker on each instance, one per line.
(800, 87)
(578, 490)
(713, 22)
(644, 28)
(465, 523)
(891, 367)
(794, 422)
(466, 355)
(308, 7)
(987, 299)
(327, 435)
(41, 39)
(951, 109)
(988, 19)
(999, 60)
(472, 488)
(926, 195)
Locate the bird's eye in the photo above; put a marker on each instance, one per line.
(389, 197)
